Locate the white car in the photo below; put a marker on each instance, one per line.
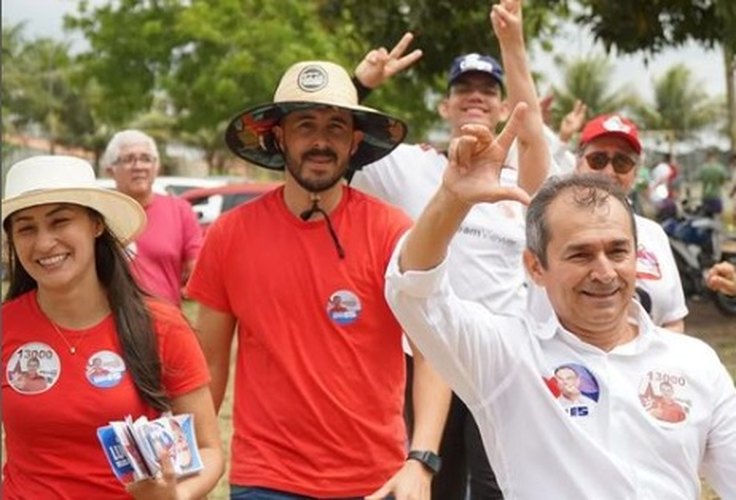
(174, 185)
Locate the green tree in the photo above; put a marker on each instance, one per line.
(633, 26)
(680, 108)
(588, 79)
(39, 88)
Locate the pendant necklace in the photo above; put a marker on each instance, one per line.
(72, 347)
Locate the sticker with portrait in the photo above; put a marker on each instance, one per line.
(664, 394)
(343, 307)
(33, 368)
(575, 387)
(105, 369)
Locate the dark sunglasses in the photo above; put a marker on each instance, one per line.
(622, 164)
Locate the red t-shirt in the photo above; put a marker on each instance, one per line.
(318, 390)
(50, 428)
(171, 238)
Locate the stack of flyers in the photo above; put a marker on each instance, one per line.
(133, 447)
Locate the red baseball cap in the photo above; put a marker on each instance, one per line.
(615, 125)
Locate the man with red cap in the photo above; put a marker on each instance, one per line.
(610, 144)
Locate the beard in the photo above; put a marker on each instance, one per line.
(295, 166)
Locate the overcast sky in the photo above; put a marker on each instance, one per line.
(44, 18)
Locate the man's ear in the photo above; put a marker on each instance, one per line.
(358, 136)
(278, 137)
(534, 268)
(442, 109)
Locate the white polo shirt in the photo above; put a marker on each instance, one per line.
(625, 440)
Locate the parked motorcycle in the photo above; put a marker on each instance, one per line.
(697, 243)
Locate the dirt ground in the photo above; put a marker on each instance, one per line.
(708, 323)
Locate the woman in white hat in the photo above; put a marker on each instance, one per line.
(72, 302)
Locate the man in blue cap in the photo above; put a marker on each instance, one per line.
(486, 258)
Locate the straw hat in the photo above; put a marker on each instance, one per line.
(64, 179)
(307, 85)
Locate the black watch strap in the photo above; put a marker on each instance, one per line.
(431, 461)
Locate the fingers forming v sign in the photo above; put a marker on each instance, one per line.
(475, 162)
(379, 64)
(506, 20)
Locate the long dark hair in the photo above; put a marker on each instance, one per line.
(133, 321)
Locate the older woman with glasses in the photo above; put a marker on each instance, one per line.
(610, 144)
(163, 255)
(83, 345)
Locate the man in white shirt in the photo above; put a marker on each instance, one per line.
(486, 263)
(581, 246)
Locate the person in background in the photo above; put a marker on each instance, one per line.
(662, 192)
(71, 300)
(609, 144)
(490, 274)
(581, 247)
(319, 394)
(162, 257)
(712, 176)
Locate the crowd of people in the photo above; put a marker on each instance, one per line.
(486, 321)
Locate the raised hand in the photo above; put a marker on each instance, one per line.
(379, 65)
(475, 162)
(573, 121)
(507, 21)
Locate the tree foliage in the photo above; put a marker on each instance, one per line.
(680, 106)
(588, 79)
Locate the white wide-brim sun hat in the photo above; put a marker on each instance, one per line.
(41, 180)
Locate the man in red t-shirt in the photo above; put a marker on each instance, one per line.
(299, 274)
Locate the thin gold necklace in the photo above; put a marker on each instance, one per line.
(72, 347)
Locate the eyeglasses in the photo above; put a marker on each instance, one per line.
(130, 160)
(622, 164)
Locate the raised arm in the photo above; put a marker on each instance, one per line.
(472, 176)
(534, 154)
(379, 64)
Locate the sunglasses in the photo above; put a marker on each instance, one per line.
(622, 164)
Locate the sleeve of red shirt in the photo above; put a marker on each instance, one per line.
(184, 367)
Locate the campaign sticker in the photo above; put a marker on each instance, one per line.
(343, 307)
(664, 395)
(576, 389)
(647, 265)
(33, 368)
(105, 369)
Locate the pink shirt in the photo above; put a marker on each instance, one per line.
(172, 237)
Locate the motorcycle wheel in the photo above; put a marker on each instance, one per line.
(726, 304)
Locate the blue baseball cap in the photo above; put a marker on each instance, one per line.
(475, 62)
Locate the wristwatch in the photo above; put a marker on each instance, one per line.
(430, 460)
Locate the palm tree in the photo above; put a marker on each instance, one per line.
(589, 80)
(681, 106)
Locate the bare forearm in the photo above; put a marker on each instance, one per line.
(676, 326)
(198, 486)
(426, 244)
